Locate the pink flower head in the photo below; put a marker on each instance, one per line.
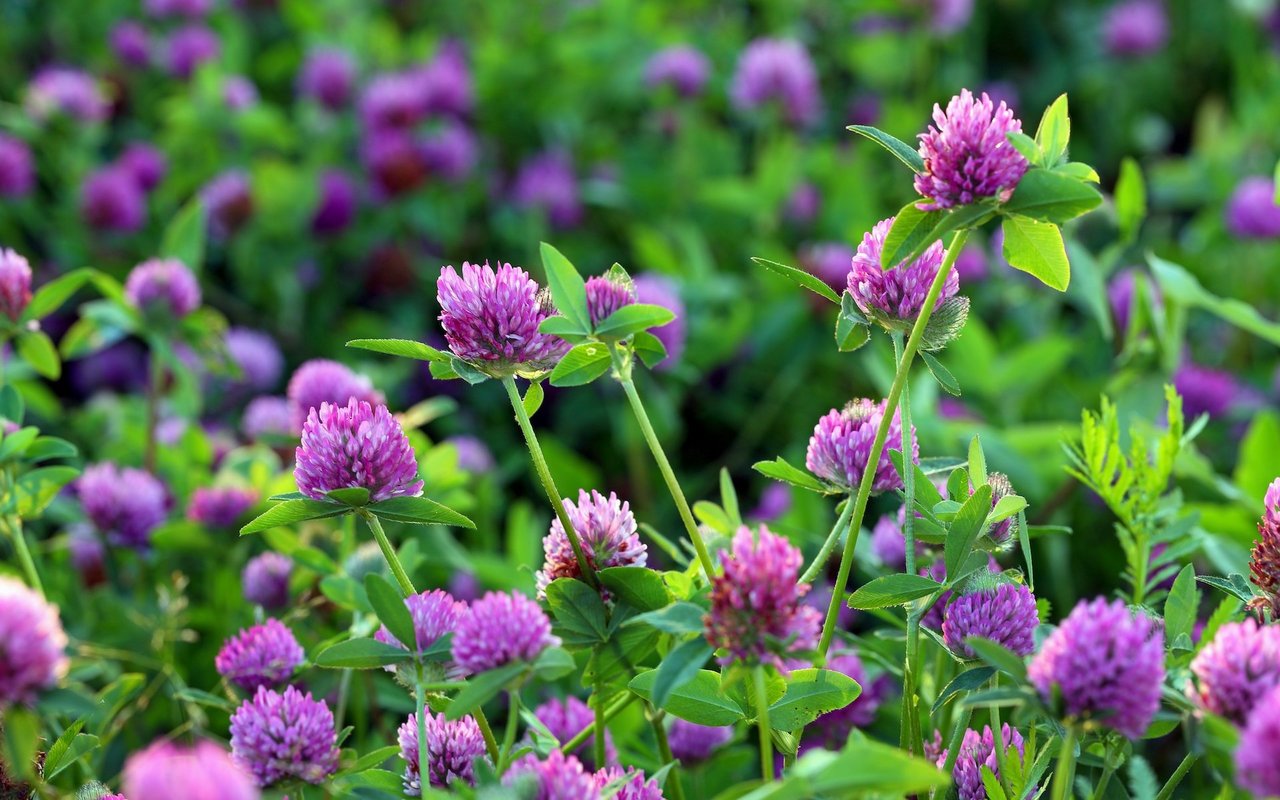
(32, 644)
(165, 284)
(356, 445)
(967, 157)
(501, 628)
(452, 748)
(263, 655)
(1237, 669)
(321, 381)
(607, 530)
(840, 448)
(15, 284)
(896, 296)
(282, 736)
(204, 772)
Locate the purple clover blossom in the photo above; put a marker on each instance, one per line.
(450, 151)
(444, 83)
(976, 751)
(547, 183)
(260, 656)
(435, 614)
(777, 70)
(1205, 390)
(1252, 211)
(267, 416)
(971, 264)
(775, 501)
(889, 543)
(32, 644)
(165, 770)
(337, 206)
(659, 290)
(756, 602)
(949, 16)
(1258, 754)
(835, 726)
(111, 200)
(189, 47)
(452, 748)
(491, 318)
(394, 160)
(328, 76)
(257, 356)
(1237, 669)
(896, 297)
(1004, 612)
(682, 68)
(967, 157)
(15, 284)
(803, 204)
(164, 284)
(691, 742)
(1135, 28)
(284, 736)
(498, 629)
(87, 555)
(1120, 295)
(70, 92)
(229, 201)
(220, 506)
(391, 101)
(829, 262)
(606, 294)
(17, 170)
(566, 719)
(355, 446)
(125, 505)
(1108, 664)
(607, 530)
(634, 787)
(321, 381)
(560, 777)
(840, 447)
(131, 43)
(265, 580)
(1000, 532)
(473, 455)
(937, 571)
(1264, 562)
(239, 93)
(145, 163)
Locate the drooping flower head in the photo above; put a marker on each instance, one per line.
(452, 748)
(978, 751)
(691, 742)
(321, 381)
(32, 644)
(1237, 669)
(17, 170)
(566, 719)
(355, 445)
(284, 736)
(1258, 754)
(994, 609)
(660, 290)
(435, 613)
(547, 183)
(328, 76)
(1252, 211)
(220, 506)
(634, 785)
(165, 770)
(265, 580)
(1264, 565)
(1135, 27)
(607, 529)
(263, 655)
(966, 156)
(840, 447)
(71, 92)
(267, 417)
(756, 613)
(189, 47)
(111, 200)
(165, 285)
(498, 629)
(560, 777)
(896, 297)
(606, 294)
(1108, 664)
(145, 163)
(682, 68)
(15, 284)
(491, 318)
(777, 70)
(829, 261)
(125, 505)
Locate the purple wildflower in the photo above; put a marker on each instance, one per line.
(607, 530)
(498, 629)
(394, 160)
(828, 261)
(1258, 754)
(263, 655)
(895, 297)
(125, 505)
(1252, 211)
(691, 742)
(937, 571)
(1120, 294)
(71, 92)
(337, 206)
(840, 447)
(257, 356)
(444, 83)
(450, 151)
(836, 725)
(634, 787)
(684, 69)
(452, 748)
(163, 284)
(145, 163)
(473, 454)
(755, 603)
(131, 43)
(803, 204)
(659, 290)
(560, 777)
(1000, 533)
(1205, 390)
(327, 77)
(204, 772)
(949, 16)
(17, 172)
(491, 318)
(1004, 612)
(32, 643)
(971, 264)
(267, 416)
(977, 751)
(392, 100)
(111, 200)
(967, 157)
(87, 555)
(193, 9)
(284, 736)
(1237, 669)
(547, 183)
(1264, 563)
(1135, 28)
(566, 719)
(1108, 664)
(777, 70)
(239, 92)
(606, 295)
(356, 445)
(775, 500)
(228, 199)
(15, 284)
(265, 580)
(435, 614)
(189, 47)
(220, 506)
(320, 381)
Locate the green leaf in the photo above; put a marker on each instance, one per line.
(679, 667)
(1178, 284)
(1000, 657)
(800, 278)
(82, 745)
(1077, 171)
(864, 769)
(633, 318)
(977, 463)
(579, 615)
(1130, 199)
(1036, 247)
(581, 365)
(992, 785)
(354, 496)
(810, 694)
(968, 525)
(1182, 605)
(700, 701)
(389, 606)
(14, 445)
(405, 348)
(481, 688)
(967, 681)
(780, 470)
(911, 232)
(533, 397)
(12, 406)
(461, 369)
(1054, 133)
(568, 289)
(852, 330)
(374, 758)
(346, 592)
(1237, 588)
(419, 511)
(53, 757)
(941, 374)
(47, 447)
(1025, 145)
(361, 653)
(562, 327)
(1052, 197)
(892, 590)
(292, 511)
(650, 349)
(639, 587)
(52, 295)
(202, 698)
(22, 736)
(184, 238)
(899, 148)
(37, 488)
(678, 618)
(554, 663)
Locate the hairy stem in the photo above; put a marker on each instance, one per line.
(910, 665)
(389, 553)
(1062, 774)
(490, 743)
(820, 560)
(1178, 774)
(762, 723)
(882, 433)
(598, 743)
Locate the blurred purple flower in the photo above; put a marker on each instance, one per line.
(473, 454)
(17, 171)
(125, 505)
(895, 297)
(547, 183)
(634, 785)
(265, 580)
(691, 742)
(220, 506)
(1135, 27)
(889, 544)
(450, 151)
(267, 416)
(321, 381)
(71, 92)
(1120, 294)
(32, 643)
(1004, 612)
(15, 283)
(804, 204)
(971, 264)
(682, 68)
(835, 726)
(949, 16)
(355, 445)
(1205, 390)
(777, 70)
(568, 717)
(977, 751)
(131, 43)
(328, 76)
(829, 261)
(178, 8)
(285, 736)
(111, 200)
(239, 92)
(445, 83)
(189, 47)
(967, 157)
(337, 205)
(775, 501)
(560, 777)
(145, 163)
(163, 284)
(394, 160)
(228, 199)
(87, 555)
(257, 356)
(435, 614)
(841, 446)
(659, 290)
(1252, 211)
(121, 367)
(607, 529)
(1236, 670)
(261, 656)
(452, 748)
(165, 770)
(501, 628)
(1258, 753)
(865, 109)
(391, 101)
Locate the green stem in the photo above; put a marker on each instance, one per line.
(420, 698)
(509, 738)
(998, 737)
(490, 743)
(611, 712)
(1107, 771)
(911, 735)
(672, 786)
(882, 433)
(155, 374)
(548, 484)
(598, 742)
(1062, 776)
(957, 736)
(622, 370)
(13, 525)
(820, 561)
(1178, 774)
(762, 722)
(389, 553)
